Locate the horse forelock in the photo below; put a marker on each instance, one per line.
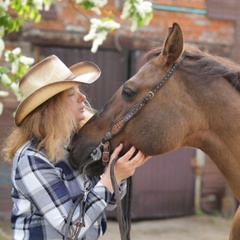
(198, 62)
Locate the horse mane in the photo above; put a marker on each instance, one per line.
(204, 64)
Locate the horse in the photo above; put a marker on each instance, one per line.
(181, 96)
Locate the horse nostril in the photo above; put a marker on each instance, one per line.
(94, 151)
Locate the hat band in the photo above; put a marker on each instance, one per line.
(71, 77)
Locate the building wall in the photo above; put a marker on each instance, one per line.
(215, 35)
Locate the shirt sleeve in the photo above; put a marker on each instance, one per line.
(40, 182)
(122, 190)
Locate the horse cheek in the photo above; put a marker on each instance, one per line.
(146, 137)
(159, 137)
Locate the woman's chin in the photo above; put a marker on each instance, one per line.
(81, 117)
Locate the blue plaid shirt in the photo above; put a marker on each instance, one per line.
(43, 194)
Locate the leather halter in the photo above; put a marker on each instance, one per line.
(103, 149)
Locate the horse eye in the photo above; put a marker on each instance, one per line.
(128, 93)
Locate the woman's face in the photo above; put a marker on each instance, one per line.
(77, 104)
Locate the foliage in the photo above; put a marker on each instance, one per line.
(14, 13)
(140, 12)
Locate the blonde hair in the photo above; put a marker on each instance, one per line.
(51, 124)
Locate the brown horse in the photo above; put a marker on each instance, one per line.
(197, 105)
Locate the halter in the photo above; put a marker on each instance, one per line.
(103, 149)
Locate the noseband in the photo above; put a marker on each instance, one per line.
(103, 149)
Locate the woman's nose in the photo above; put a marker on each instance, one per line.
(81, 97)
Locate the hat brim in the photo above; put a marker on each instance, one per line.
(43, 94)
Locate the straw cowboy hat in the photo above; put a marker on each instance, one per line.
(49, 77)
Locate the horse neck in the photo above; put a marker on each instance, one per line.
(220, 136)
(226, 155)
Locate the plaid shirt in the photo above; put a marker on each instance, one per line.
(43, 194)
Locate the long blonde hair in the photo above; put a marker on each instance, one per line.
(52, 124)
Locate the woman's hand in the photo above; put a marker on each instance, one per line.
(124, 167)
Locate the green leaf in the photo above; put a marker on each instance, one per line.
(87, 4)
(4, 70)
(38, 18)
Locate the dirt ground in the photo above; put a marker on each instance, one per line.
(187, 228)
(203, 227)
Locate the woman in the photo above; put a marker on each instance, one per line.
(45, 186)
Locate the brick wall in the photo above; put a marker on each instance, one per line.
(66, 25)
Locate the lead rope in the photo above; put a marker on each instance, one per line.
(124, 222)
(81, 223)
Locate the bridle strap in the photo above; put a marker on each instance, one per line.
(105, 154)
(118, 125)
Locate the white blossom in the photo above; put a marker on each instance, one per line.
(19, 95)
(99, 30)
(134, 23)
(2, 46)
(4, 5)
(15, 66)
(100, 3)
(26, 60)
(110, 24)
(5, 79)
(15, 88)
(96, 10)
(98, 41)
(47, 5)
(6, 55)
(126, 10)
(147, 6)
(1, 108)
(16, 51)
(139, 11)
(24, 2)
(38, 4)
(4, 93)
(96, 4)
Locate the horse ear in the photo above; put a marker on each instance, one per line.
(173, 45)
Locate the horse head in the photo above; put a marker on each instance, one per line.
(153, 129)
(183, 97)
